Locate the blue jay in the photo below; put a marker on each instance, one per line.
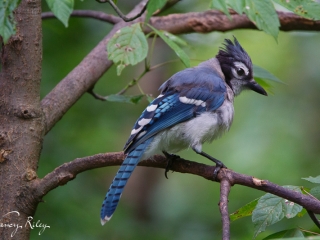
(195, 106)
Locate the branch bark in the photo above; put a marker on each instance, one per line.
(87, 14)
(212, 20)
(68, 171)
(21, 125)
(203, 22)
(225, 187)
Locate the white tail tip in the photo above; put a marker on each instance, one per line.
(106, 219)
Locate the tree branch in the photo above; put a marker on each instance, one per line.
(81, 78)
(214, 20)
(223, 206)
(87, 14)
(68, 171)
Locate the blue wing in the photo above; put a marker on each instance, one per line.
(184, 96)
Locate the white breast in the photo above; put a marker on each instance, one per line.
(204, 128)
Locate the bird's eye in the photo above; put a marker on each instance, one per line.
(240, 72)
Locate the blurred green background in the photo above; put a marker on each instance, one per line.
(275, 137)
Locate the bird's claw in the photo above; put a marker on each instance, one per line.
(171, 158)
(219, 165)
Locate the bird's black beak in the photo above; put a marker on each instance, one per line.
(253, 85)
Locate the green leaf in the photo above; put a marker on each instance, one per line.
(264, 15)
(259, 72)
(124, 99)
(175, 39)
(266, 86)
(271, 209)
(244, 211)
(154, 5)
(61, 9)
(237, 5)
(262, 76)
(127, 46)
(221, 5)
(289, 233)
(7, 22)
(120, 67)
(304, 8)
(315, 192)
(180, 53)
(313, 179)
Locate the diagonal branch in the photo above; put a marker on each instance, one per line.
(68, 171)
(87, 14)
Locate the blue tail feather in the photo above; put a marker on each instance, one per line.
(114, 193)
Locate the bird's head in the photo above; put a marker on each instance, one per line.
(236, 66)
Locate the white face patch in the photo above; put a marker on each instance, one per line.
(152, 107)
(240, 65)
(192, 101)
(144, 121)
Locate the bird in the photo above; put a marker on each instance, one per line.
(195, 106)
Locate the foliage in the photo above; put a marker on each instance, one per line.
(153, 6)
(61, 9)
(7, 23)
(263, 13)
(127, 46)
(270, 209)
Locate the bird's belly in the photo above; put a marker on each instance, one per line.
(193, 133)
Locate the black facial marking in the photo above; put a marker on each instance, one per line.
(231, 53)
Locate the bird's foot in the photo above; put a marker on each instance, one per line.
(171, 157)
(219, 165)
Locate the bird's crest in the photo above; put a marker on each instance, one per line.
(233, 52)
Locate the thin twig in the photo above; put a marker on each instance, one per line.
(223, 206)
(121, 15)
(87, 14)
(314, 218)
(164, 63)
(129, 85)
(96, 96)
(304, 230)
